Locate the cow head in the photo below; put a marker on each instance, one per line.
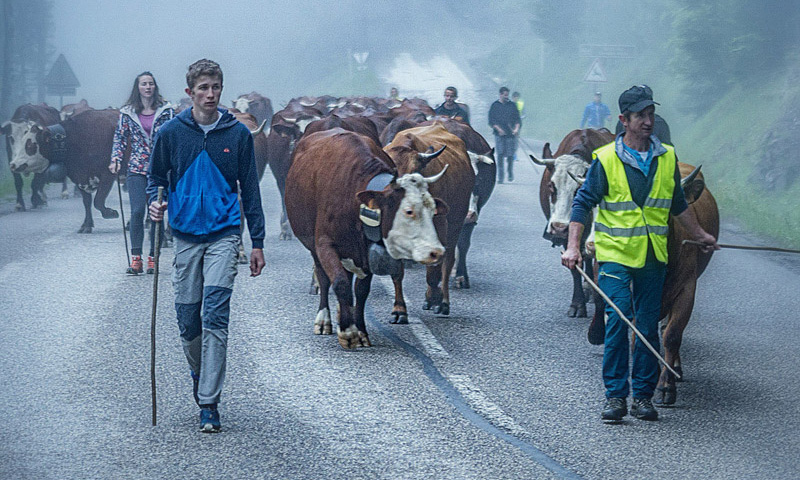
(693, 185)
(407, 211)
(24, 141)
(242, 104)
(568, 174)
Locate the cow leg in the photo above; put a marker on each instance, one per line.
(666, 391)
(447, 267)
(64, 189)
(322, 324)
(37, 191)
(341, 280)
(20, 207)
(399, 311)
(88, 223)
(362, 288)
(100, 197)
(286, 228)
(433, 295)
(242, 255)
(578, 306)
(464, 242)
(314, 288)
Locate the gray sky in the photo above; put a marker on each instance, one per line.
(273, 47)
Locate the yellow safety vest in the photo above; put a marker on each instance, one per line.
(622, 228)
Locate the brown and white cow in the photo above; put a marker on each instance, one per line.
(685, 265)
(333, 175)
(71, 109)
(255, 104)
(82, 145)
(411, 152)
(21, 149)
(557, 189)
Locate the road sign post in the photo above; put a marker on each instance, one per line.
(61, 80)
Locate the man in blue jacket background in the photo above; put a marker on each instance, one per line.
(203, 156)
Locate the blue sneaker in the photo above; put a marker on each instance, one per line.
(195, 383)
(209, 420)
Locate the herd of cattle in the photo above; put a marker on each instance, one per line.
(366, 183)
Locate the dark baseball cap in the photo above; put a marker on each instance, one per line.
(636, 99)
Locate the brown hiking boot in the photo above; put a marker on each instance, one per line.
(136, 266)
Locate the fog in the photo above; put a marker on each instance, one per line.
(281, 48)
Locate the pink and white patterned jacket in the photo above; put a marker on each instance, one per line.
(130, 131)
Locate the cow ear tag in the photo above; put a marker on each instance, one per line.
(370, 217)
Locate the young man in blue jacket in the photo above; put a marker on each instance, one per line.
(199, 157)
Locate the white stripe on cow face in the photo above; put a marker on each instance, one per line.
(413, 235)
(566, 188)
(23, 141)
(241, 104)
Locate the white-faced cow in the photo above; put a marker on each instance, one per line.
(21, 150)
(82, 146)
(557, 189)
(337, 178)
(255, 104)
(411, 152)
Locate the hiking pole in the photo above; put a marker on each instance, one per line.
(630, 324)
(742, 247)
(155, 304)
(122, 214)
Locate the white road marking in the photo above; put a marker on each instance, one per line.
(454, 373)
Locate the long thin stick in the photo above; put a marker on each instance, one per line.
(122, 214)
(630, 324)
(153, 317)
(743, 247)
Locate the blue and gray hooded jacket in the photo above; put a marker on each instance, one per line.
(201, 171)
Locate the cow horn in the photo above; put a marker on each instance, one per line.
(436, 177)
(549, 162)
(259, 129)
(427, 157)
(578, 180)
(689, 178)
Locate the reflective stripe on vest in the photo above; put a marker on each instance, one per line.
(622, 228)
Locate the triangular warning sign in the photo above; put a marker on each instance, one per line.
(595, 73)
(61, 75)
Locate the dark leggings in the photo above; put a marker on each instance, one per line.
(137, 184)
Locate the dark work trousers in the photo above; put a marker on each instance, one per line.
(504, 155)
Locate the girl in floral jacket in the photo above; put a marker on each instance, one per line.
(139, 120)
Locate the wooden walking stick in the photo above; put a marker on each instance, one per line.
(630, 324)
(155, 304)
(122, 214)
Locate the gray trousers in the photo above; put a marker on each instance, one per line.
(202, 276)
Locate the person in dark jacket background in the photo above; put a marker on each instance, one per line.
(505, 122)
(200, 156)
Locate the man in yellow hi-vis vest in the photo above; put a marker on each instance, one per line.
(635, 183)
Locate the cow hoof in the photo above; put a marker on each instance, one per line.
(353, 338)
(19, 207)
(399, 318)
(85, 230)
(442, 309)
(461, 282)
(109, 213)
(426, 305)
(680, 372)
(665, 396)
(243, 259)
(322, 324)
(581, 312)
(64, 194)
(285, 236)
(596, 337)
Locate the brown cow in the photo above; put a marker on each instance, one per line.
(557, 189)
(409, 152)
(335, 177)
(357, 124)
(255, 104)
(685, 265)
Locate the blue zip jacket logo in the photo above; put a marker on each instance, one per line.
(204, 202)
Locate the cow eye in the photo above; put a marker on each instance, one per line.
(30, 148)
(409, 212)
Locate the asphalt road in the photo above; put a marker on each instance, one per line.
(506, 387)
